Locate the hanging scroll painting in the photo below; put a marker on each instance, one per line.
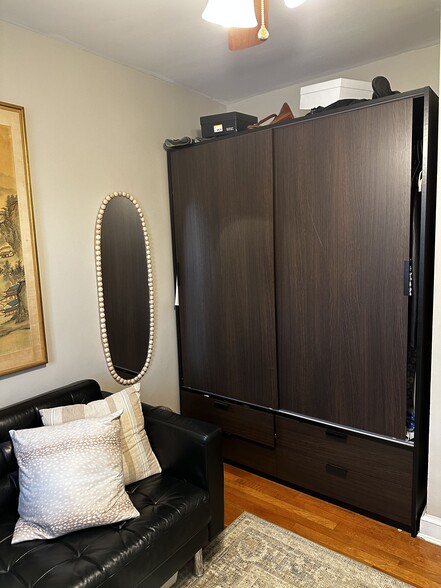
(22, 338)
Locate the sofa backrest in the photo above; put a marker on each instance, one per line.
(25, 415)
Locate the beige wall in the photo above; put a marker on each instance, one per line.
(93, 127)
(407, 71)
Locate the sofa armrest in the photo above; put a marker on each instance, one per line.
(192, 450)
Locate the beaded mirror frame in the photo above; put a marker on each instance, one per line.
(101, 293)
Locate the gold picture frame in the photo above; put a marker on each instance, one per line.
(22, 336)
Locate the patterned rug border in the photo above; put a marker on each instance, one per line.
(296, 562)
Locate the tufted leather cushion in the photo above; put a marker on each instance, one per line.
(169, 508)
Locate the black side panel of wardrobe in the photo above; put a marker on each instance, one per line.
(223, 222)
(429, 116)
(342, 212)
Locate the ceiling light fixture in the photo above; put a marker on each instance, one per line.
(247, 20)
(231, 13)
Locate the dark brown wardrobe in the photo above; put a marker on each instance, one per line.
(304, 268)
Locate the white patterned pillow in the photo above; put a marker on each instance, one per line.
(139, 461)
(70, 478)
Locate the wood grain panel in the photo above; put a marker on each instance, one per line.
(223, 222)
(251, 455)
(240, 421)
(375, 457)
(367, 473)
(342, 215)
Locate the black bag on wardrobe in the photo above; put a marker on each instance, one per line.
(338, 104)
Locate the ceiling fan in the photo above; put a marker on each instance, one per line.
(246, 20)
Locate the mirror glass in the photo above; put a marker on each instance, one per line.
(125, 287)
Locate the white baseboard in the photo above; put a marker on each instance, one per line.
(430, 528)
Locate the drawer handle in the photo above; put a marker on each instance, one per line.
(340, 435)
(335, 470)
(221, 404)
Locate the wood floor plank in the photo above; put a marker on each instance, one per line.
(385, 548)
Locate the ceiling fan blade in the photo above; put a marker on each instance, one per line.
(244, 38)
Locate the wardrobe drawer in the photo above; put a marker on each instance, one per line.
(249, 454)
(234, 419)
(364, 472)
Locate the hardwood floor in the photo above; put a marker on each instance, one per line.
(385, 548)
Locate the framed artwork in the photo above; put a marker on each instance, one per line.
(22, 338)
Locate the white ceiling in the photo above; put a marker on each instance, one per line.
(168, 38)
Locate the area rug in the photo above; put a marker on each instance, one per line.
(252, 553)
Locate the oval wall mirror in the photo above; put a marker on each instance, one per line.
(125, 287)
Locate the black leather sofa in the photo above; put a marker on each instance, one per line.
(181, 508)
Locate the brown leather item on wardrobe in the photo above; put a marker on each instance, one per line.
(285, 114)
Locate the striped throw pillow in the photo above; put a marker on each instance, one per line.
(138, 458)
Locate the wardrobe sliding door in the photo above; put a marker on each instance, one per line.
(222, 198)
(342, 218)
